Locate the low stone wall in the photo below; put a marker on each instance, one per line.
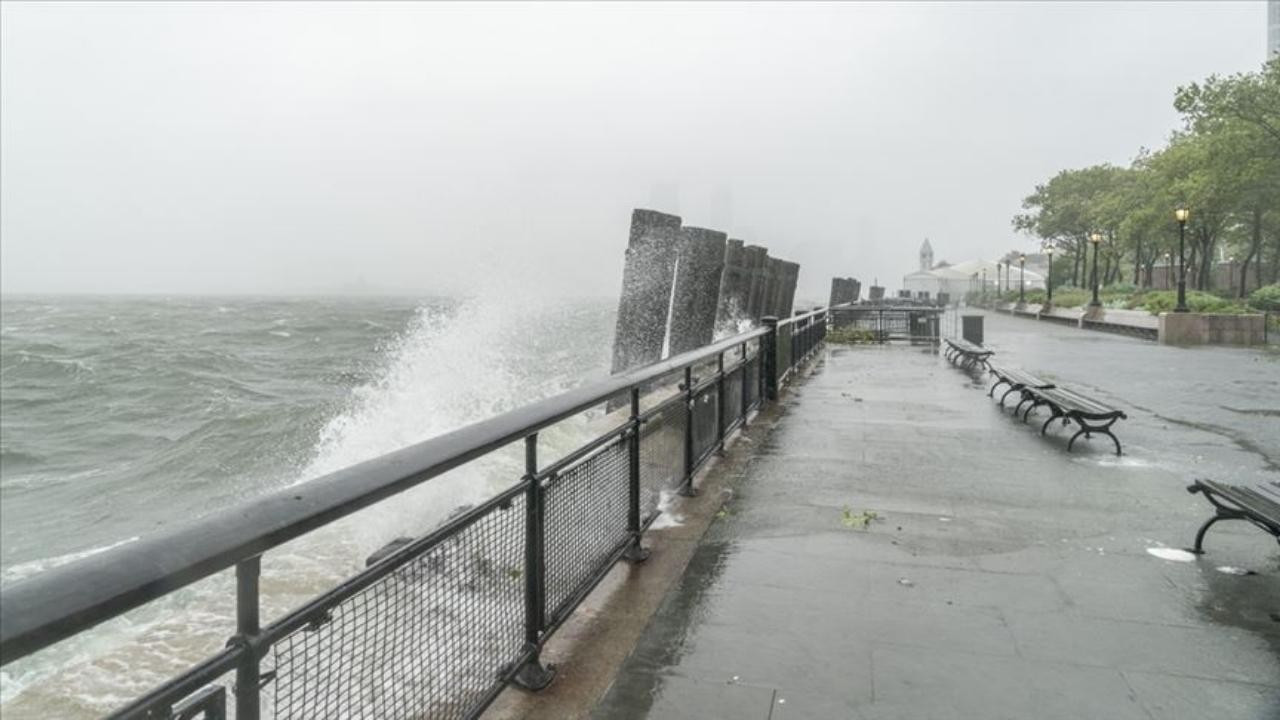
(1123, 322)
(1212, 329)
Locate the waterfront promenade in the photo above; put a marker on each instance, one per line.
(1000, 576)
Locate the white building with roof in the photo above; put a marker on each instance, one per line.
(961, 278)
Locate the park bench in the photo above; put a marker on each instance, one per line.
(1091, 415)
(1018, 381)
(1259, 505)
(966, 353)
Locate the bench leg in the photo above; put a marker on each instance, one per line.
(1006, 394)
(1222, 514)
(1072, 441)
(1053, 417)
(1089, 430)
(991, 392)
(1034, 404)
(1115, 440)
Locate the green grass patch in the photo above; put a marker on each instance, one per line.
(850, 336)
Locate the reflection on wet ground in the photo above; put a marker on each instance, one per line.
(902, 548)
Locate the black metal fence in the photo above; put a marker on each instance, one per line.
(915, 323)
(441, 625)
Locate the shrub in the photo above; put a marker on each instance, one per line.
(1266, 298)
(1166, 300)
(1070, 297)
(850, 336)
(1118, 290)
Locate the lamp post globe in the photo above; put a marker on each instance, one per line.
(1096, 240)
(1182, 215)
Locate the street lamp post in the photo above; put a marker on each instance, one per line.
(984, 284)
(1048, 279)
(998, 266)
(1168, 270)
(1182, 214)
(1231, 275)
(1096, 239)
(1022, 278)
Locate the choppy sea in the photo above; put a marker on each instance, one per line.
(121, 415)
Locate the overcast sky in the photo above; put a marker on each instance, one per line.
(304, 147)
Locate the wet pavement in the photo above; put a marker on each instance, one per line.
(901, 548)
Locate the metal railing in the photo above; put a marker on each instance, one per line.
(441, 625)
(909, 322)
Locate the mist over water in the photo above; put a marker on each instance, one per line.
(124, 415)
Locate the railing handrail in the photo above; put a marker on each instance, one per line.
(58, 603)
(805, 316)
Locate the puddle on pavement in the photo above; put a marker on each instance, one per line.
(1172, 554)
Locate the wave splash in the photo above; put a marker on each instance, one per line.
(453, 365)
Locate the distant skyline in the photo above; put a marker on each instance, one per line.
(440, 148)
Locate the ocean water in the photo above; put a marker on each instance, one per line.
(119, 416)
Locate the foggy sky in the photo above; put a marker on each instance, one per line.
(311, 148)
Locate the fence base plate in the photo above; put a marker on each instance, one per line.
(534, 676)
(636, 554)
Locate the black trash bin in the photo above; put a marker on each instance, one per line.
(971, 328)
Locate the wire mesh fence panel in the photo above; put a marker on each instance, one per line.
(751, 375)
(585, 511)
(661, 456)
(732, 396)
(430, 639)
(705, 428)
(783, 351)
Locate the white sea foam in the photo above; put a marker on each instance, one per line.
(17, 572)
(668, 517)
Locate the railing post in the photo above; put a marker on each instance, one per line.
(743, 385)
(720, 424)
(686, 487)
(636, 552)
(532, 675)
(769, 357)
(794, 345)
(248, 702)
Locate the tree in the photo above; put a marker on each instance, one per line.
(1224, 165)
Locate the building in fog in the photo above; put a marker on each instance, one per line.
(926, 256)
(966, 277)
(1273, 28)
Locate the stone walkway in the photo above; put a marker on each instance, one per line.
(997, 576)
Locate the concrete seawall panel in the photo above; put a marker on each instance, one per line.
(646, 289)
(735, 284)
(697, 288)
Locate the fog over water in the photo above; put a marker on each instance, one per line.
(318, 148)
